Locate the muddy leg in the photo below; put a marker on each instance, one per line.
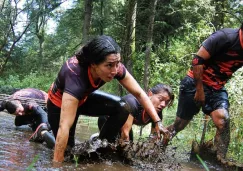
(221, 120)
(178, 125)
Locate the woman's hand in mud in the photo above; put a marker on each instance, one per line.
(160, 129)
(166, 140)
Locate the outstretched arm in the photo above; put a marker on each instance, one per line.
(68, 114)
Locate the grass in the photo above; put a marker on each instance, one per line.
(202, 162)
(31, 166)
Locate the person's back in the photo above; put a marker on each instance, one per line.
(30, 93)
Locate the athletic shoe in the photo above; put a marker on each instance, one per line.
(49, 139)
(94, 137)
(36, 136)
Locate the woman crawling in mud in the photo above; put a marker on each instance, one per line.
(160, 95)
(73, 93)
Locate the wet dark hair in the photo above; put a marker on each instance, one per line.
(163, 87)
(11, 106)
(95, 51)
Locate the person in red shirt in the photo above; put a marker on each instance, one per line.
(28, 105)
(220, 55)
(73, 93)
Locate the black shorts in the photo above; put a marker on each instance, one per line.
(214, 99)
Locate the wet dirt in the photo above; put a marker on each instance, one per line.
(17, 153)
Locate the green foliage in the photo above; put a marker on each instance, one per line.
(235, 92)
(138, 67)
(33, 80)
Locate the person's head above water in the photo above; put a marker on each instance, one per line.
(96, 50)
(161, 96)
(102, 56)
(13, 107)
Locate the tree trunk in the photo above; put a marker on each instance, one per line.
(128, 44)
(149, 43)
(2, 5)
(15, 38)
(7, 57)
(40, 17)
(101, 17)
(41, 42)
(87, 19)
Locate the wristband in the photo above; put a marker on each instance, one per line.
(157, 121)
(153, 123)
(197, 60)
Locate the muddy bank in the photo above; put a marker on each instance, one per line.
(17, 153)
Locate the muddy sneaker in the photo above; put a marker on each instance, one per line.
(95, 143)
(49, 139)
(94, 137)
(36, 136)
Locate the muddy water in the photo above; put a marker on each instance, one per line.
(17, 153)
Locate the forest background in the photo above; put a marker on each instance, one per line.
(158, 39)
